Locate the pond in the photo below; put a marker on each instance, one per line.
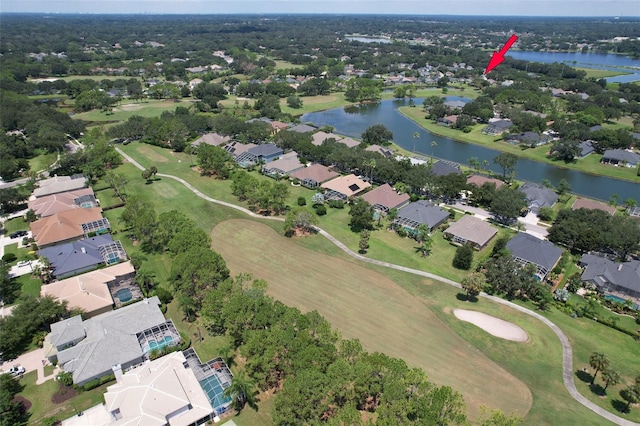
(354, 120)
(599, 61)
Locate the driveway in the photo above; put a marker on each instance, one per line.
(31, 361)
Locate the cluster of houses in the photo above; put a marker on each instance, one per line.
(119, 332)
(525, 248)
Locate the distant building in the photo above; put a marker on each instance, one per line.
(344, 187)
(283, 166)
(621, 279)
(583, 203)
(470, 229)
(497, 127)
(314, 175)
(385, 198)
(444, 168)
(586, 147)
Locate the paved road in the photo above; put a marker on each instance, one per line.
(567, 352)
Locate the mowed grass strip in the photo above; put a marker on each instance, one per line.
(367, 305)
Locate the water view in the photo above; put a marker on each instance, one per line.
(353, 121)
(599, 61)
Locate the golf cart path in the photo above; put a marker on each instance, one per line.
(567, 352)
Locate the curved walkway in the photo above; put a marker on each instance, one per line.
(567, 352)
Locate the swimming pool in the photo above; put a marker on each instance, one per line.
(124, 295)
(214, 390)
(154, 344)
(617, 299)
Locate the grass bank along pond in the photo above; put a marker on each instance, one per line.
(354, 120)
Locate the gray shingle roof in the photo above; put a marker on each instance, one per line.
(302, 128)
(538, 196)
(440, 168)
(110, 339)
(534, 250)
(77, 255)
(265, 150)
(602, 271)
(423, 212)
(67, 331)
(620, 155)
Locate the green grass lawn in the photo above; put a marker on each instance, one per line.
(43, 408)
(590, 164)
(16, 224)
(399, 326)
(42, 161)
(592, 73)
(250, 417)
(29, 285)
(127, 109)
(21, 253)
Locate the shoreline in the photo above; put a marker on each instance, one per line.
(500, 148)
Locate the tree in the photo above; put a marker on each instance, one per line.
(507, 204)
(12, 412)
(361, 214)
(498, 418)
(631, 394)
(377, 134)
(300, 219)
(566, 150)
(599, 361)
(214, 160)
(610, 377)
(118, 182)
(463, 259)
(146, 175)
(294, 102)
(508, 163)
(364, 240)
(473, 284)
(563, 187)
(242, 391)
(146, 281)
(140, 217)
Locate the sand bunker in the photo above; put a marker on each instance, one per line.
(492, 325)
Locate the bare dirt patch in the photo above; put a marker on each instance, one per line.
(492, 325)
(367, 305)
(63, 394)
(24, 401)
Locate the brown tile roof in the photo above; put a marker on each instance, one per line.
(57, 203)
(58, 184)
(386, 196)
(472, 229)
(348, 185)
(316, 172)
(582, 203)
(63, 226)
(211, 139)
(319, 137)
(89, 291)
(479, 180)
(351, 143)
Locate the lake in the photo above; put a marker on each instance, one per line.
(353, 121)
(599, 61)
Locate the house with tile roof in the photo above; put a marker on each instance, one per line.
(314, 175)
(385, 152)
(90, 348)
(344, 187)
(63, 201)
(418, 213)
(58, 184)
(470, 229)
(527, 249)
(64, 226)
(84, 255)
(318, 138)
(385, 198)
(214, 139)
(350, 142)
(91, 291)
(479, 180)
(302, 128)
(161, 392)
(583, 203)
(621, 279)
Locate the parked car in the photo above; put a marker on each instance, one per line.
(18, 234)
(16, 371)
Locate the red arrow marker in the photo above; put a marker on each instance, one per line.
(498, 57)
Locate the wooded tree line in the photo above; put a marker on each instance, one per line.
(318, 376)
(585, 230)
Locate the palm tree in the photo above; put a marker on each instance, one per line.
(188, 305)
(416, 136)
(145, 279)
(242, 391)
(599, 361)
(631, 394)
(610, 377)
(433, 147)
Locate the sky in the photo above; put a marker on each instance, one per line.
(622, 8)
